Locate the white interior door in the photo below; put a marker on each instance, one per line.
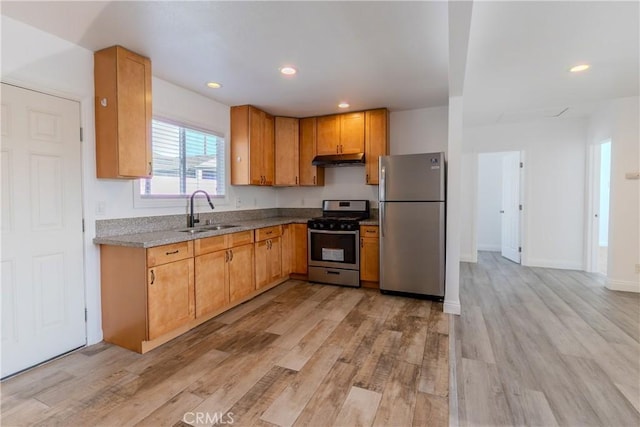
(511, 206)
(42, 259)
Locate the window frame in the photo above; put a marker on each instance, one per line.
(178, 200)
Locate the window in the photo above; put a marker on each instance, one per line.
(184, 160)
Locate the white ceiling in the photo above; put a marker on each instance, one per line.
(371, 54)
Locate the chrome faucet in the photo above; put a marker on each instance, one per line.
(191, 220)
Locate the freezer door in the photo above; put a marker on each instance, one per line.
(412, 248)
(412, 177)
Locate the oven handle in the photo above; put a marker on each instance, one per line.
(354, 232)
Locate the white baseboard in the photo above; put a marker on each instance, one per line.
(490, 248)
(452, 307)
(554, 263)
(620, 285)
(468, 258)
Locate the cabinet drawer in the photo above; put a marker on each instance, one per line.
(239, 239)
(210, 244)
(268, 233)
(169, 253)
(369, 231)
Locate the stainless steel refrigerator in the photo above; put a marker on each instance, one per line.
(412, 224)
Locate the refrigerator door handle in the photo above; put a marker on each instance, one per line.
(383, 196)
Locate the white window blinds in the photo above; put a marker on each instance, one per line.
(184, 160)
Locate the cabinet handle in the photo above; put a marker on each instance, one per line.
(371, 231)
(367, 179)
(172, 253)
(337, 148)
(226, 256)
(103, 102)
(341, 148)
(153, 277)
(362, 243)
(296, 180)
(314, 180)
(230, 255)
(270, 232)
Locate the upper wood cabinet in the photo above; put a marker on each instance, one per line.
(376, 141)
(287, 155)
(340, 134)
(252, 146)
(309, 175)
(122, 82)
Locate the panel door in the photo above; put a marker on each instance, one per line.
(309, 174)
(369, 259)
(375, 142)
(300, 254)
(287, 249)
(170, 296)
(241, 272)
(275, 259)
(510, 223)
(287, 158)
(328, 134)
(352, 133)
(262, 263)
(268, 150)
(42, 258)
(212, 286)
(256, 135)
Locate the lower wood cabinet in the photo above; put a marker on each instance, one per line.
(299, 254)
(170, 296)
(369, 254)
(286, 249)
(150, 296)
(268, 252)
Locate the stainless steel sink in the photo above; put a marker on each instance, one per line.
(204, 228)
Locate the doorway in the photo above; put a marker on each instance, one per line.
(600, 184)
(43, 302)
(499, 203)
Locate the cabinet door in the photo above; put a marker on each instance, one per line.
(241, 272)
(268, 150)
(309, 174)
(123, 113)
(352, 133)
(262, 263)
(287, 157)
(369, 259)
(211, 286)
(275, 259)
(328, 134)
(287, 248)
(300, 254)
(170, 296)
(376, 142)
(256, 145)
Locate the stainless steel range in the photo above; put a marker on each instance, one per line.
(334, 250)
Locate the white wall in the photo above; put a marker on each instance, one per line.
(553, 217)
(618, 120)
(489, 201)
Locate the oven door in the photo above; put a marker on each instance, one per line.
(334, 249)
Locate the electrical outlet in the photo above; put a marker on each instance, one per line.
(238, 202)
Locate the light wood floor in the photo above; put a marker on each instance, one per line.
(299, 354)
(538, 346)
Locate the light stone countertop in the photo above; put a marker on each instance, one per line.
(158, 238)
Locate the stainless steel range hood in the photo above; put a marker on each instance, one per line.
(331, 160)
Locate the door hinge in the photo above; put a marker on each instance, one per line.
(83, 225)
(519, 249)
(520, 206)
(85, 315)
(521, 165)
(81, 135)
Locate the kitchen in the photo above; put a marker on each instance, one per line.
(110, 199)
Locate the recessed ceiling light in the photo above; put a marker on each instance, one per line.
(214, 85)
(343, 105)
(578, 68)
(288, 70)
